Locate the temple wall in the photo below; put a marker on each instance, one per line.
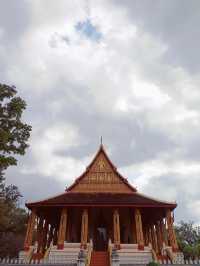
(120, 225)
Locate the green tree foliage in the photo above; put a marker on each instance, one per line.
(14, 134)
(188, 240)
(12, 215)
(12, 224)
(153, 263)
(187, 233)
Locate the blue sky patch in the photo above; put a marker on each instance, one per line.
(89, 30)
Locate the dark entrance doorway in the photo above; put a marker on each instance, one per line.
(101, 241)
(100, 237)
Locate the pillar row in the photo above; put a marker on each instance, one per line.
(29, 231)
(44, 237)
(159, 236)
(116, 227)
(139, 230)
(164, 231)
(40, 233)
(62, 229)
(50, 236)
(84, 228)
(171, 233)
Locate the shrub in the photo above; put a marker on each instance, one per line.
(188, 252)
(153, 263)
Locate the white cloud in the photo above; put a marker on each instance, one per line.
(121, 87)
(44, 148)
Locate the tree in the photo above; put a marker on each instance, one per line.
(188, 251)
(12, 223)
(186, 233)
(188, 240)
(12, 215)
(14, 134)
(198, 250)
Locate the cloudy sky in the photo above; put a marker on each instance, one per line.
(126, 70)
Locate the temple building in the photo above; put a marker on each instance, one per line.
(99, 214)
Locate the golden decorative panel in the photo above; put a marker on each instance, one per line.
(101, 177)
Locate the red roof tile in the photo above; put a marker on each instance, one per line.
(102, 199)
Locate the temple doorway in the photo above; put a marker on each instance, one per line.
(101, 239)
(101, 229)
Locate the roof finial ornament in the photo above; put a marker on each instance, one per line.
(101, 141)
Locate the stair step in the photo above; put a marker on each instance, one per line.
(99, 258)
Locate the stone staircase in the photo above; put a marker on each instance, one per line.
(25, 256)
(175, 257)
(99, 258)
(130, 255)
(67, 255)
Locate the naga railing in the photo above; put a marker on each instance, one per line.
(154, 256)
(110, 251)
(89, 253)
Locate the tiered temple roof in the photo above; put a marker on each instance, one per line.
(102, 185)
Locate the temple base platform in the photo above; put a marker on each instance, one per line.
(129, 254)
(68, 255)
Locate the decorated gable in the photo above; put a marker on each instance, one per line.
(101, 176)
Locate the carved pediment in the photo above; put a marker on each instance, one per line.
(101, 176)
